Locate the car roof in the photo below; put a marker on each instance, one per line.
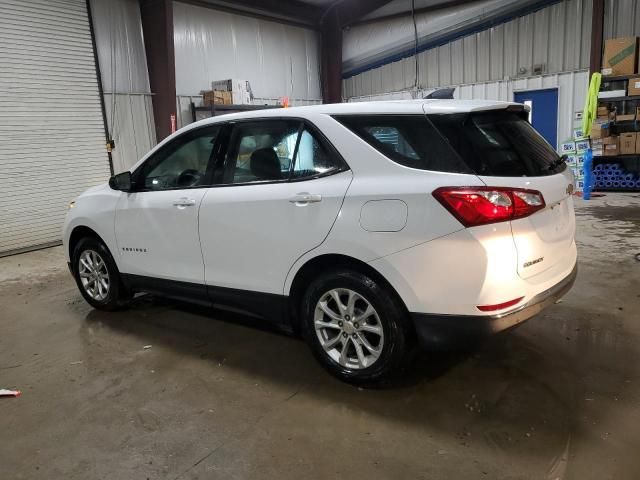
(379, 107)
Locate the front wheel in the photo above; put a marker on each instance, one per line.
(355, 327)
(97, 276)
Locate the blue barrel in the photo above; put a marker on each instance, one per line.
(588, 175)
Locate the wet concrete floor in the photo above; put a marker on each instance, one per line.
(216, 397)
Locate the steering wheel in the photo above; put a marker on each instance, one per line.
(189, 178)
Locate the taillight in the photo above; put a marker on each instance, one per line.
(482, 205)
(499, 306)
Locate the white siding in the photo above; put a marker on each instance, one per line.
(278, 60)
(125, 81)
(51, 126)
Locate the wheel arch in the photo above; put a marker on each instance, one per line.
(322, 263)
(77, 234)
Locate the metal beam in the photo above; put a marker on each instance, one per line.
(157, 28)
(407, 13)
(332, 21)
(349, 11)
(292, 12)
(597, 36)
(331, 59)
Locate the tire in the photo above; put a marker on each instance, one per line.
(386, 328)
(97, 275)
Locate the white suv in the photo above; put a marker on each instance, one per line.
(364, 226)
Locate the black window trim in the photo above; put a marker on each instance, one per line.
(135, 175)
(304, 124)
(220, 156)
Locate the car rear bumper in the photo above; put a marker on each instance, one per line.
(439, 330)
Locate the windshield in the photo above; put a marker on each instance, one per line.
(498, 143)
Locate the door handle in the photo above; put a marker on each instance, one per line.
(184, 202)
(305, 198)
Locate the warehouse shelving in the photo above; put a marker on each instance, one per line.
(218, 109)
(625, 104)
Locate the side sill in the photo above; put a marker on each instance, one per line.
(269, 306)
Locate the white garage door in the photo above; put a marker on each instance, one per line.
(52, 141)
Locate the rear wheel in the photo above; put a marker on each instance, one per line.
(355, 327)
(97, 276)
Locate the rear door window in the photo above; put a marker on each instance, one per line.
(313, 158)
(499, 143)
(261, 151)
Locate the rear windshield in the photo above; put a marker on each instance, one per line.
(497, 143)
(502, 144)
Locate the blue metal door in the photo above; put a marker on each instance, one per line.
(544, 111)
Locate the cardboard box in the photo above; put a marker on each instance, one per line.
(625, 117)
(628, 143)
(216, 97)
(620, 56)
(599, 130)
(637, 143)
(610, 146)
(582, 145)
(578, 134)
(567, 147)
(240, 89)
(603, 111)
(597, 147)
(634, 86)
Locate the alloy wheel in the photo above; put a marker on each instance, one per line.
(348, 328)
(94, 275)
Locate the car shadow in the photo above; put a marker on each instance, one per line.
(519, 390)
(219, 334)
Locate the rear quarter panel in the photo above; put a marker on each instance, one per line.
(378, 178)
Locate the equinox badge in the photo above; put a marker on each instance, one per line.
(532, 262)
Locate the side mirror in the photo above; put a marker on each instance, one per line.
(121, 181)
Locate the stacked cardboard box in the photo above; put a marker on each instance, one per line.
(628, 143)
(634, 87)
(600, 129)
(216, 97)
(620, 56)
(610, 146)
(240, 90)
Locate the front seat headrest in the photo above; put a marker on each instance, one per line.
(265, 164)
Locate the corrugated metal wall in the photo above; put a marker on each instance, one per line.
(622, 18)
(572, 90)
(125, 81)
(278, 60)
(557, 37)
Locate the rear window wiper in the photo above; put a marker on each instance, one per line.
(556, 163)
